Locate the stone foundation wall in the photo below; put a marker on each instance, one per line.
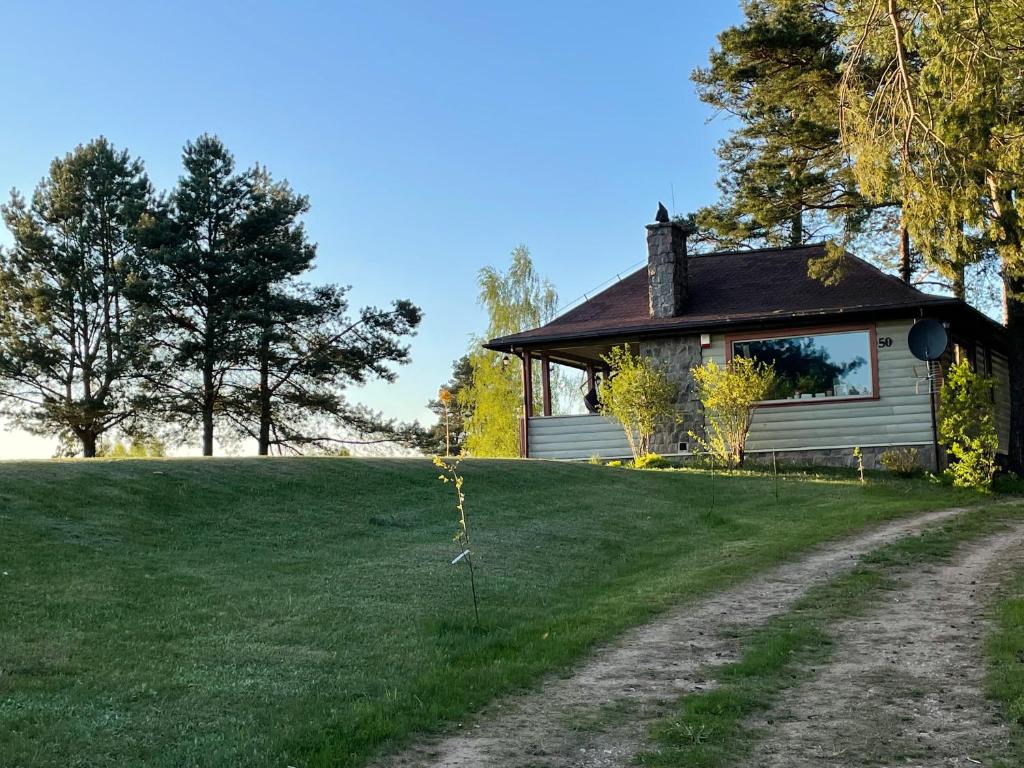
(842, 457)
(677, 356)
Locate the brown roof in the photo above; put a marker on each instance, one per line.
(734, 287)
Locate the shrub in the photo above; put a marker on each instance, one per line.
(967, 427)
(730, 394)
(639, 395)
(595, 459)
(902, 462)
(1008, 482)
(615, 463)
(651, 461)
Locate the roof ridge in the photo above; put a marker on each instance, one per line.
(774, 249)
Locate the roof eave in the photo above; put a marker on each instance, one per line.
(516, 341)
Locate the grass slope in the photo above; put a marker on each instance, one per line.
(304, 612)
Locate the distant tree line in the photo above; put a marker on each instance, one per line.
(126, 314)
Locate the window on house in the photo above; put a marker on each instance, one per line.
(815, 366)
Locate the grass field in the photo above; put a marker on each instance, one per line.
(1005, 655)
(304, 611)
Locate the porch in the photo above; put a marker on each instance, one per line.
(577, 436)
(545, 435)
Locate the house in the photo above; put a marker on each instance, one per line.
(845, 375)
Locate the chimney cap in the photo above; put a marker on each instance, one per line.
(662, 215)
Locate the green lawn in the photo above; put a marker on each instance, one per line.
(304, 611)
(1005, 652)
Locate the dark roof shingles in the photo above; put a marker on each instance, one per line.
(735, 286)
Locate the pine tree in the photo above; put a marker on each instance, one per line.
(199, 286)
(72, 339)
(785, 180)
(307, 349)
(301, 348)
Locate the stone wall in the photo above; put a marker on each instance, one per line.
(677, 356)
(842, 457)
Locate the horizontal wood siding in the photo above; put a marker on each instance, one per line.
(1001, 372)
(900, 416)
(576, 437)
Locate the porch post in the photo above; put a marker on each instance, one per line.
(527, 384)
(524, 434)
(545, 382)
(590, 378)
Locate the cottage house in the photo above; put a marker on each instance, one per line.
(845, 375)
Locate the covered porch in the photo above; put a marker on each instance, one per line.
(548, 435)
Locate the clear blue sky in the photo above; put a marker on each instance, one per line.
(431, 137)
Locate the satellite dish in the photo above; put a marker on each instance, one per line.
(927, 339)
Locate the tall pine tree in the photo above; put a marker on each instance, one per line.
(301, 347)
(199, 287)
(73, 341)
(785, 179)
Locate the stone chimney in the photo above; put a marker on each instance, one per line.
(667, 283)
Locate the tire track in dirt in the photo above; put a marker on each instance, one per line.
(598, 715)
(905, 683)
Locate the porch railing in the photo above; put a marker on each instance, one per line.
(575, 437)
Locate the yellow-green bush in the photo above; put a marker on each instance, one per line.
(651, 461)
(967, 427)
(902, 462)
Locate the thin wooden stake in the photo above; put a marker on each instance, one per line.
(712, 481)
(775, 471)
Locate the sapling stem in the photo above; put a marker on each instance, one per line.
(451, 475)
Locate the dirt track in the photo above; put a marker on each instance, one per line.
(905, 682)
(598, 716)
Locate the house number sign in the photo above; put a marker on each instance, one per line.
(884, 341)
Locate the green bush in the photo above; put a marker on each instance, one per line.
(730, 394)
(902, 462)
(615, 463)
(651, 461)
(967, 427)
(639, 395)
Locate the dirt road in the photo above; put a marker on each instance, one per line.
(904, 686)
(598, 716)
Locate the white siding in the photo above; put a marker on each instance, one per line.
(576, 437)
(1001, 372)
(900, 416)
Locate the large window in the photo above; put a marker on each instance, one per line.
(815, 366)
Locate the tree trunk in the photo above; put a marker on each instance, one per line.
(88, 444)
(208, 402)
(796, 233)
(959, 282)
(265, 416)
(1014, 289)
(207, 431)
(906, 263)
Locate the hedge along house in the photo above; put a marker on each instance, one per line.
(845, 376)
